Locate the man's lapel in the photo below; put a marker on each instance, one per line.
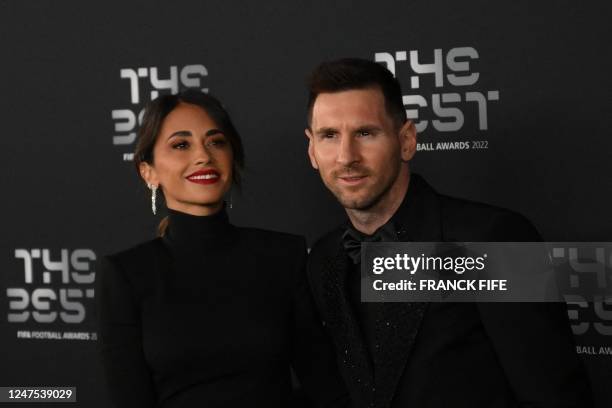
(343, 325)
(417, 220)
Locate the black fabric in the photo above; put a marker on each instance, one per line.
(212, 316)
(475, 355)
(366, 314)
(352, 239)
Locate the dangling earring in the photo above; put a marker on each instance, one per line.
(229, 202)
(153, 197)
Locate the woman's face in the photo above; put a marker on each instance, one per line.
(192, 161)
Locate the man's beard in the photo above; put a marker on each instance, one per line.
(373, 194)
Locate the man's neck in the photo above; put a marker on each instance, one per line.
(368, 221)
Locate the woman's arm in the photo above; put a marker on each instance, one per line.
(120, 339)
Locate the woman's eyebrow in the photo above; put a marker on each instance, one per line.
(212, 132)
(184, 133)
(180, 133)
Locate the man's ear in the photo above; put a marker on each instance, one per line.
(311, 155)
(407, 137)
(148, 173)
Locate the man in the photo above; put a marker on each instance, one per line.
(417, 354)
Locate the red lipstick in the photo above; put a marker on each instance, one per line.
(207, 176)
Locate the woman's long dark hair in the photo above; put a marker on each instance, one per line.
(154, 115)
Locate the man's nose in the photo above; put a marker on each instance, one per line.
(348, 151)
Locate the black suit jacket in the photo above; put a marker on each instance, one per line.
(453, 355)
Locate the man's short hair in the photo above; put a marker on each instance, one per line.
(355, 73)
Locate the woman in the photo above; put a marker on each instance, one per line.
(207, 314)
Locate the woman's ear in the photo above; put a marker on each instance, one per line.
(148, 174)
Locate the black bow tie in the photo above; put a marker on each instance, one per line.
(352, 239)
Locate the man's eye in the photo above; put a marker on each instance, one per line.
(180, 145)
(365, 133)
(329, 135)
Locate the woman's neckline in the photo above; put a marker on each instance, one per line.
(189, 231)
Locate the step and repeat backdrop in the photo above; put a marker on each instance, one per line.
(511, 100)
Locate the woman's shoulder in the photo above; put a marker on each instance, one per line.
(265, 237)
(132, 267)
(137, 254)
(282, 253)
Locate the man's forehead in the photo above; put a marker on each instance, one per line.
(368, 96)
(354, 106)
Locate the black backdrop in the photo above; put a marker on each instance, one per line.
(541, 70)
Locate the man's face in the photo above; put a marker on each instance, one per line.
(356, 147)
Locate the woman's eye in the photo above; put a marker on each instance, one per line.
(216, 142)
(180, 145)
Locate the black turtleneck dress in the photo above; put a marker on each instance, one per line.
(212, 315)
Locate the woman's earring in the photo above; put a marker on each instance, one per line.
(229, 202)
(153, 197)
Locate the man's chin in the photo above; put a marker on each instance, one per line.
(356, 203)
